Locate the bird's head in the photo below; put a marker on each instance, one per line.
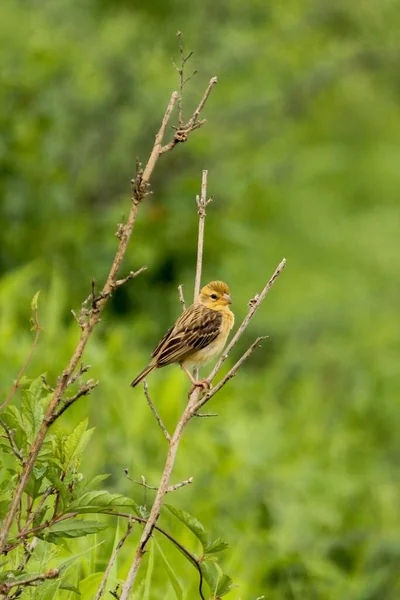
(215, 295)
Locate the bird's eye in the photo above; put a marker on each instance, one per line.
(214, 296)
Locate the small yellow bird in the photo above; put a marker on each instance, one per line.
(199, 334)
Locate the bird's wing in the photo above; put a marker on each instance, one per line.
(195, 329)
(162, 342)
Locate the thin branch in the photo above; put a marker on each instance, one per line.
(171, 488)
(213, 81)
(254, 306)
(6, 586)
(182, 133)
(116, 285)
(231, 373)
(177, 486)
(182, 80)
(112, 560)
(202, 202)
(85, 390)
(181, 297)
(37, 328)
(10, 436)
(154, 411)
(45, 495)
(82, 369)
(29, 548)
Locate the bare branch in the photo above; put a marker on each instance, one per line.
(112, 560)
(205, 415)
(231, 373)
(254, 306)
(154, 411)
(6, 586)
(182, 80)
(181, 297)
(201, 204)
(182, 133)
(116, 285)
(85, 390)
(45, 495)
(171, 488)
(82, 369)
(213, 81)
(28, 551)
(177, 486)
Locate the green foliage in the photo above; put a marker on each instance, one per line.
(299, 473)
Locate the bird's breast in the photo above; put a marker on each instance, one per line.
(203, 356)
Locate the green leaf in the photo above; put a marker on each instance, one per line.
(171, 575)
(53, 475)
(15, 421)
(71, 528)
(11, 575)
(31, 409)
(64, 585)
(39, 516)
(74, 444)
(93, 483)
(89, 585)
(4, 504)
(64, 566)
(93, 502)
(224, 585)
(191, 523)
(216, 546)
(34, 303)
(219, 583)
(209, 573)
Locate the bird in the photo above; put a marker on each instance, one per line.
(198, 336)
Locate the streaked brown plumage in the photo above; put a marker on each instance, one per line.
(199, 334)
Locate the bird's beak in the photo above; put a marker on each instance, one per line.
(227, 298)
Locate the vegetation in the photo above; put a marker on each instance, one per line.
(298, 474)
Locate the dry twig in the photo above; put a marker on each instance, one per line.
(84, 390)
(171, 488)
(181, 297)
(154, 411)
(6, 586)
(202, 203)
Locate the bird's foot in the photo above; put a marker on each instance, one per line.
(204, 384)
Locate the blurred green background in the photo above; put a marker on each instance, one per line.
(300, 471)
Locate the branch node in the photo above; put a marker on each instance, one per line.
(181, 297)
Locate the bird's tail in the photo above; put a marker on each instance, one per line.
(143, 374)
